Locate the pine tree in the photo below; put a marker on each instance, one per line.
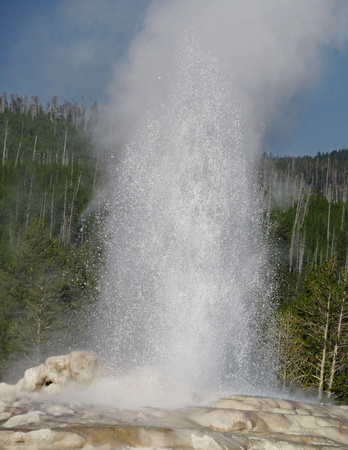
(33, 285)
(322, 315)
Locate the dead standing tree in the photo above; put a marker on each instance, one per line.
(322, 314)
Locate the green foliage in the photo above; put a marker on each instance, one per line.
(48, 265)
(35, 279)
(318, 338)
(307, 207)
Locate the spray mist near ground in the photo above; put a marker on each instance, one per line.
(185, 306)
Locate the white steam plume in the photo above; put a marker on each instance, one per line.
(275, 50)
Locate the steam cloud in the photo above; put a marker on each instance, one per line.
(274, 50)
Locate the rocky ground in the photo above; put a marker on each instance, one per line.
(35, 419)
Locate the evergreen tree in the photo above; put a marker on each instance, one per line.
(321, 317)
(34, 283)
(48, 265)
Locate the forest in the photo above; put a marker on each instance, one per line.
(51, 255)
(48, 259)
(306, 218)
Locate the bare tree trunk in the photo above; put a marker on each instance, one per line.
(323, 358)
(328, 227)
(63, 228)
(334, 177)
(293, 236)
(334, 357)
(343, 213)
(64, 149)
(301, 253)
(5, 142)
(29, 200)
(17, 209)
(344, 199)
(17, 156)
(295, 228)
(327, 194)
(34, 151)
(72, 169)
(43, 208)
(305, 210)
(315, 256)
(52, 215)
(333, 242)
(287, 180)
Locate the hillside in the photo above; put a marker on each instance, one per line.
(47, 176)
(306, 200)
(306, 215)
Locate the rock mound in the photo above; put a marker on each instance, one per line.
(60, 371)
(31, 419)
(56, 374)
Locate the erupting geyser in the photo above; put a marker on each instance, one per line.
(186, 265)
(185, 301)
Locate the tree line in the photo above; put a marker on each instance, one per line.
(49, 253)
(306, 215)
(67, 112)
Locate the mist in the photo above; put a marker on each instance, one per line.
(187, 294)
(273, 51)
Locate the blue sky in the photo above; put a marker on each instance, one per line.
(323, 125)
(63, 47)
(71, 48)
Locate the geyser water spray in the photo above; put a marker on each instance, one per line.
(185, 299)
(186, 262)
